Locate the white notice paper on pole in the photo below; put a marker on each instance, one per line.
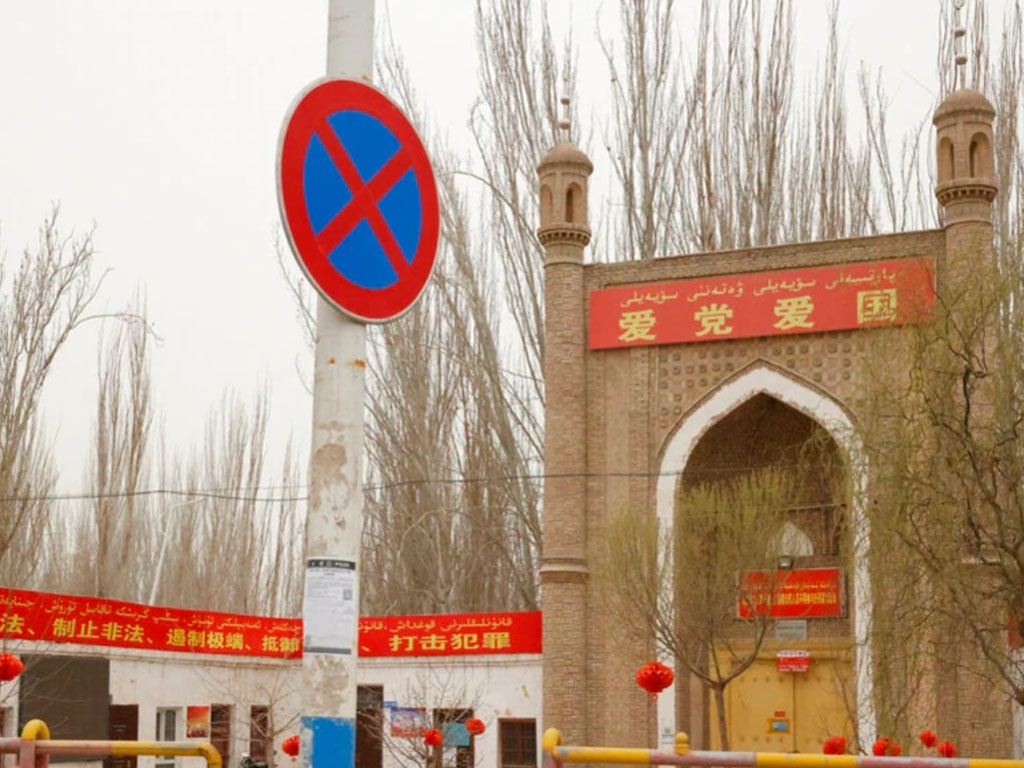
(329, 606)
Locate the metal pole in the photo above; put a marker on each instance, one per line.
(163, 548)
(331, 602)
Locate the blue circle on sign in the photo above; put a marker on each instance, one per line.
(328, 177)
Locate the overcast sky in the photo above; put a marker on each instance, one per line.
(157, 122)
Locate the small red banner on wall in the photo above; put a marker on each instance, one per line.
(810, 593)
(830, 298)
(48, 617)
(793, 661)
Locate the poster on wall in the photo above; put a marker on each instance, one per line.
(329, 606)
(408, 722)
(197, 722)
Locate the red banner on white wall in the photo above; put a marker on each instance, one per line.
(94, 621)
(55, 618)
(450, 634)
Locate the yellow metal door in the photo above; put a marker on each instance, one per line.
(772, 711)
(759, 705)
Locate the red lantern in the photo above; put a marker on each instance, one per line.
(928, 738)
(654, 678)
(946, 749)
(290, 746)
(433, 738)
(475, 726)
(834, 745)
(880, 747)
(10, 666)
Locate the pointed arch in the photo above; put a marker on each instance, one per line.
(980, 159)
(763, 378)
(946, 160)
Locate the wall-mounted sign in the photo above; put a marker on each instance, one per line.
(777, 725)
(738, 306)
(27, 615)
(197, 722)
(469, 634)
(409, 722)
(803, 593)
(793, 661)
(791, 629)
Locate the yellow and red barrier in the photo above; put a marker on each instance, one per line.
(556, 755)
(35, 747)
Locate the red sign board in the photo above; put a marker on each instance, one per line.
(47, 617)
(830, 298)
(810, 593)
(450, 634)
(793, 661)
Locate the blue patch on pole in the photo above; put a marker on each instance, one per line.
(328, 742)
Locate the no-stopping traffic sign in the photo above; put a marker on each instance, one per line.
(358, 199)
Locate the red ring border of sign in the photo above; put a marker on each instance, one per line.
(309, 110)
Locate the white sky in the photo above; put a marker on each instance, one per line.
(158, 122)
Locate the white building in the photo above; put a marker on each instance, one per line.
(248, 702)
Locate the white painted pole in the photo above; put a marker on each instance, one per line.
(331, 602)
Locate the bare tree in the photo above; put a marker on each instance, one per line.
(124, 414)
(46, 297)
(945, 439)
(277, 695)
(230, 546)
(724, 530)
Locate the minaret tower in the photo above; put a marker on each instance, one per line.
(966, 169)
(564, 233)
(966, 187)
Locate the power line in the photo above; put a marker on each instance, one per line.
(220, 494)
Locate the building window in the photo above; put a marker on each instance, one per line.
(518, 743)
(220, 731)
(168, 723)
(457, 748)
(259, 733)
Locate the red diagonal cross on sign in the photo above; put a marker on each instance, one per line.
(364, 200)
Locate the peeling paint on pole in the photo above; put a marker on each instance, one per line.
(345, 149)
(335, 476)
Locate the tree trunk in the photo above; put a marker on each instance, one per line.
(723, 729)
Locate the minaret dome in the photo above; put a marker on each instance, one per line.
(965, 158)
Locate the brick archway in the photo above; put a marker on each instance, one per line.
(762, 378)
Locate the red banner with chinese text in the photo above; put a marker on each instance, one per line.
(830, 298)
(450, 634)
(809, 593)
(48, 617)
(44, 616)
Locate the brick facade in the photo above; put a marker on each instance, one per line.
(610, 414)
